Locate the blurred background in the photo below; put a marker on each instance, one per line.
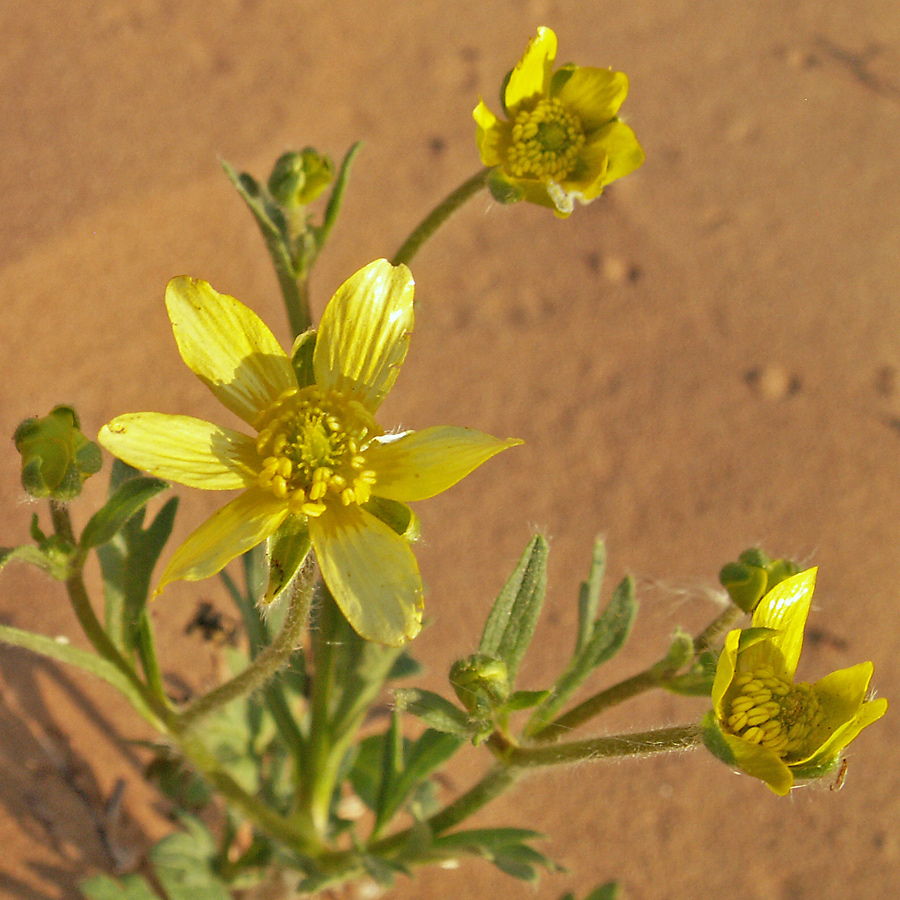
(705, 359)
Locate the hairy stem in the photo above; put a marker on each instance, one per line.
(427, 227)
(260, 669)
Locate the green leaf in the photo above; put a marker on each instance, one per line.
(59, 649)
(53, 558)
(504, 847)
(127, 562)
(697, 681)
(512, 620)
(129, 887)
(270, 220)
(337, 196)
(525, 700)
(608, 891)
(423, 757)
(435, 711)
(607, 637)
(131, 496)
(405, 666)
(182, 863)
(589, 595)
(365, 776)
(287, 550)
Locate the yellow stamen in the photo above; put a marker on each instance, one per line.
(313, 446)
(771, 711)
(546, 141)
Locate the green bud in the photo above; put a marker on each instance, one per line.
(752, 577)
(746, 585)
(481, 682)
(298, 178)
(503, 190)
(56, 457)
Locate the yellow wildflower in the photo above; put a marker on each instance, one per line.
(563, 140)
(318, 455)
(766, 724)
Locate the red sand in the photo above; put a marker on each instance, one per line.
(704, 359)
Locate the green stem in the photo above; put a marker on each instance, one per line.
(653, 677)
(291, 834)
(295, 291)
(90, 624)
(317, 785)
(258, 636)
(149, 663)
(595, 705)
(261, 669)
(427, 227)
(723, 622)
(663, 740)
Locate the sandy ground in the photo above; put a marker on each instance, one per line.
(705, 359)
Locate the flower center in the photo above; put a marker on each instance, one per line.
(773, 712)
(545, 142)
(312, 443)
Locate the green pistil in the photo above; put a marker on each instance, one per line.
(312, 444)
(773, 712)
(545, 142)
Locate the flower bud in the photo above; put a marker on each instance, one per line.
(56, 457)
(298, 178)
(481, 682)
(753, 575)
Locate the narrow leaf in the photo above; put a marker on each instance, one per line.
(61, 650)
(589, 595)
(428, 753)
(512, 620)
(337, 196)
(129, 887)
(182, 863)
(127, 499)
(435, 711)
(607, 637)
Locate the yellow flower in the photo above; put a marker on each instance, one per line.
(562, 141)
(766, 724)
(317, 455)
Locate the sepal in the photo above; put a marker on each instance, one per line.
(56, 457)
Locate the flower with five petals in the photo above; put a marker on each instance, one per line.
(766, 724)
(563, 140)
(318, 456)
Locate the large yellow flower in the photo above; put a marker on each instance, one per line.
(562, 141)
(318, 455)
(766, 724)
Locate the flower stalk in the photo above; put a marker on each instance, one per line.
(430, 224)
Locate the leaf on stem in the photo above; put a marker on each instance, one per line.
(512, 620)
(60, 650)
(609, 633)
(128, 499)
(183, 864)
(435, 711)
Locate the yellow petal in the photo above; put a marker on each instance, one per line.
(589, 176)
(364, 333)
(531, 77)
(371, 573)
(594, 95)
(725, 672)
(423, 463)
(179, 448)
(228, 347)
(784, 609)
(761, 763)
(624, 152)
(234, 529)
(491, 134)
(841, 696)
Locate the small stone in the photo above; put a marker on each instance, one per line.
(773, 382)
